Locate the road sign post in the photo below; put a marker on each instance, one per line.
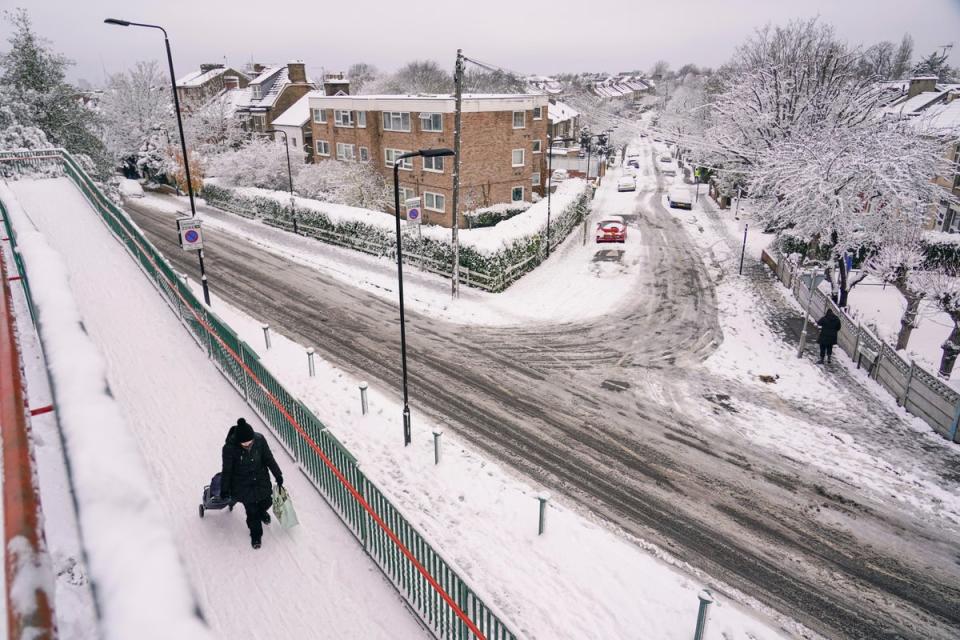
(190, 234)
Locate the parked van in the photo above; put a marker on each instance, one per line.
(679, 197)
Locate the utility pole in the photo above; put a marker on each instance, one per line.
(457, 125)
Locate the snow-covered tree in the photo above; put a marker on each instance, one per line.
(260, 162)
(33, 84)
(419, 76)
(491, 81)
(936, 64)
(137, 114)
(877, 61)
(903, 59)
(349, 183)
(897, 262)
(361, 74)
(210, 127)
(944, 289)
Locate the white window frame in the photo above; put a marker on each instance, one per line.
(535, 179)
(388, 120)
(406, 193)
(325, 144)
(428, 196)
(405, 165)
(538, 113)
(364, 154)
(323, 116)
(256, 91)
(523, 158)
(346, 151)
(523, 119)
(427, 117)
(258, 120)
(338, 119)
(433, 164)
(361, 119)
(522, 193)
(537, 146)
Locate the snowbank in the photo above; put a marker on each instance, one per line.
(141, 589)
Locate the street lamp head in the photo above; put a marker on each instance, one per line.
(435, 153)
(119, 23)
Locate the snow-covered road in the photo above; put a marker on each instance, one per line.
(311, 581)
(652, 417)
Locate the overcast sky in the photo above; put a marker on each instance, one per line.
(527, 37)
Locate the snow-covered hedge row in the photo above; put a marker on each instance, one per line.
(493, 215)
(495, 256)
(141, 588)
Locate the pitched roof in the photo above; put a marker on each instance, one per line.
(199, 77)
(299, 112)
(559, 112)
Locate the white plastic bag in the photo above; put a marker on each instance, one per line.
(283, 508)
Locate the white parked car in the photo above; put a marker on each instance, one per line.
(560, 175)
(667, 166)
(130, 188)
(627, 183)
(679, 197)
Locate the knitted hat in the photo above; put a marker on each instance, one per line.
(243, 431)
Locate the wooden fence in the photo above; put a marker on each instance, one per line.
(917, 390)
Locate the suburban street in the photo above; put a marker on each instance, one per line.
(609, 414)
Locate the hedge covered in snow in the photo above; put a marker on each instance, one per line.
(490, 257)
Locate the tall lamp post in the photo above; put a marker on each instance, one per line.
(183, 140)
(426, 153)
(550, 141)
(286, 145)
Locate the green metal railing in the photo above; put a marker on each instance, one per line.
(432, 587)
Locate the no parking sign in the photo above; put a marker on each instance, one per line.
(191, 236)
(414, 215)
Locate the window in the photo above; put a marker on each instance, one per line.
(323, 148)
(538, 113)
(433, 164)
(346, 151)
(537, 146)
(320, 116)
(342, 118)
(258, 121)
(535, 179)
(396, 121)
(431, 122)
(518, 157)
(406, 193)
(434, 201)
(257, 91)
(361, 119)
(519, 119)
(364, 154)
(389, 156)
(517, 194)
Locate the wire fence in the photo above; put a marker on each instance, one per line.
(914, 388)
(432, 587)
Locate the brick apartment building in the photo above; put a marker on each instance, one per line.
(502, 147)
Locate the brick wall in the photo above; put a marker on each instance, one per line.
(489, 139)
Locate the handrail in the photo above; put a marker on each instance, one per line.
(23, 535)
(288, 416)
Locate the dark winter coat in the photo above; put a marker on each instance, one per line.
(829, 328)
(245, 476)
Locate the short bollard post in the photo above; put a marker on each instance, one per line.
(706, 599)
(363, 398)
(436, 446)
(310, 365)
(266, 335)
(543, 498)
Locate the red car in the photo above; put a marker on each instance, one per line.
(612, 229)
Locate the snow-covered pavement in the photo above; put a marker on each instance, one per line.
(312, 581)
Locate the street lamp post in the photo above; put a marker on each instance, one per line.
(550, 141)
(183, 140)
(293, 210)
(426, 153)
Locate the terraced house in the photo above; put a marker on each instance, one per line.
(502, 148)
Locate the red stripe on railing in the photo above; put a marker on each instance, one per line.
(21, 504)
(41, 410)
(313, 445)
(13, 278)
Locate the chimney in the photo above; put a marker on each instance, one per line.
(296, 72)
(921, 84)
(334, 83)
(258, 68)
(209, 67)
(231, 82)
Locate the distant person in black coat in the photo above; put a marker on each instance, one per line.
(829, 328)
(246, 458)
